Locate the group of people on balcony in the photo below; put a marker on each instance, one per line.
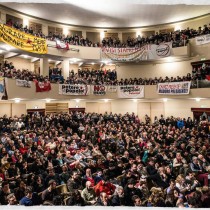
(178, 38)
(104, 160)
(99, 77)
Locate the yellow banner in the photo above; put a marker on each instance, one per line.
(22, 40)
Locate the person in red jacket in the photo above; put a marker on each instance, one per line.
(104, 186)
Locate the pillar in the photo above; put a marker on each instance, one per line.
(84, 34)
(65, 68)
(120, 36)
(45, 29)
(44, 67)
(3, 17)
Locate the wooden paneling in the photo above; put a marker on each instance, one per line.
(56, 108)
(79, 33)
(14, 19)
(35, 26)
(112, 35)
(55, 30)
(147, 33)
(126, 35)
(166, 30)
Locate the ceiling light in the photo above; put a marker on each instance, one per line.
(106, 100)
(197, 99)
(17, 100)
(77, 100)
(165, 100)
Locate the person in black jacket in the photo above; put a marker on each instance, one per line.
(103, 200)
(130, 191)
(118, 199)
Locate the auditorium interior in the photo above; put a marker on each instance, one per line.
(104, 103)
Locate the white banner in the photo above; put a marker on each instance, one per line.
(159, 51)
(123, 54)
(147, 52)
(98, 89)
(2, 87)
(80, 90)
(174, 88)
(130, 91)
(204, 39)
(23, 83)
(112, 89)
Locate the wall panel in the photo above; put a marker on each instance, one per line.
(18, 109)
(5, 109)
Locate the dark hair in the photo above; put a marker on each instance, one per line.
(28, 190)
(51, 182)
(4, 183)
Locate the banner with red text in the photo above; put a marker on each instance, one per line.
(98, 90)
(174, 88)
(147, 52)
(42, 86)
(130, 91)
(80, 90)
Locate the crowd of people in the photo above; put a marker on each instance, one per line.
(99, 77)
(178, 38)
(7, 69)
(96, 77)
(109, 77)
(104, 160)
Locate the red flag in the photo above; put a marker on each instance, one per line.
(67, 46)
(208, 77)
(42, 86)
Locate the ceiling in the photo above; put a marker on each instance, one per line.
(110, 13)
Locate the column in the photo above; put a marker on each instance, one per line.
(32, 67)
(45, 29)
(120, 36)
(25, 22)
(84, 34)
(65, 68)
(44, 67)
(3, 17)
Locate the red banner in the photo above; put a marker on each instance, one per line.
(43, 86)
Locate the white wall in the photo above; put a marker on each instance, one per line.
(174, 107)
(5, 108)
(38, 103)
(182, 108)
(21, 63)
(123, 106)
(153, 70)
(18, 109)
